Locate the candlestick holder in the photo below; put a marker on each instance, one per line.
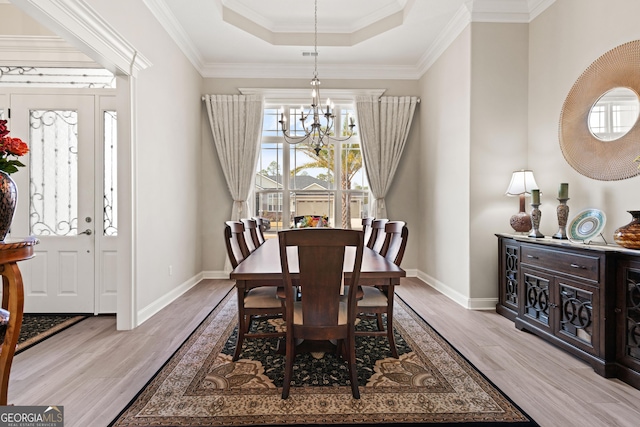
(563, 216)
(535, 221)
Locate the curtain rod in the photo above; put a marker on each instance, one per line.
(379, 99)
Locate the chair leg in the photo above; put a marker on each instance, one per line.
(380, 322)
(288, 366)
(241, 324)
(392, 341)
(242, 328)
(353, 371)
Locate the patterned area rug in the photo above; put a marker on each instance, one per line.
(38, 327)
(431, 383)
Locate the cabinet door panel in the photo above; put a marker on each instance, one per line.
(535, 293)
(509, 281)
(578, 314)
(629, 316)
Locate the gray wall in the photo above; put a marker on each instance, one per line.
(564, 41)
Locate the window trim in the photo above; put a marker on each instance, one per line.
(291, 98)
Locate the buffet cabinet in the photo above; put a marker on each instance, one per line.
(582, 298)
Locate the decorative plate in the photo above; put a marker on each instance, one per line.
(587, 224)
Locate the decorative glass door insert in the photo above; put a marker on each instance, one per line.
(54, 172)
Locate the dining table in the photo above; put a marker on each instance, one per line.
(263, 268)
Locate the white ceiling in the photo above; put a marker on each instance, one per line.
(396, 39)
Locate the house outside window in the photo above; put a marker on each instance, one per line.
(332, 183)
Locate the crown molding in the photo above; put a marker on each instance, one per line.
(285, 96)
(167, 20)
(499, 11)
(80, 25)
(297, 71)
(51, 51)
(451, 31)
(368, 18)
(536, 7)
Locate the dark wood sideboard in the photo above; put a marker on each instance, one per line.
(582, 298)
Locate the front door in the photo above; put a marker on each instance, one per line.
(56, 200)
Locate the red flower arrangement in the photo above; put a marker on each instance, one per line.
(10, 147)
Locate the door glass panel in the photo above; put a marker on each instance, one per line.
(53, 135)
(57, 77)
(110, 197)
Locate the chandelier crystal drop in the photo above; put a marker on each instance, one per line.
(314, 134)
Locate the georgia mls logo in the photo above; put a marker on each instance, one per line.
(31, 416)
(55, 411)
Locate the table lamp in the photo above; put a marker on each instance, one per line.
(522, 182)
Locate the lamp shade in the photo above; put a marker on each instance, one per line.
(522, 182)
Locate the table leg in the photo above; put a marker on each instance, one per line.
(14, 293)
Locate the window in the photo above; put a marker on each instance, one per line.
(292, 180)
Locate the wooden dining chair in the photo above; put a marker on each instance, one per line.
(322, 314)
(366, 228)
(251, 233)
(377, 300)
(259, 300)
(376, 240)
(260, 229)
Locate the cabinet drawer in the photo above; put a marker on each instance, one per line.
(584, 266)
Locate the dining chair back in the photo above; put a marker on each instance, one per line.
(251, 233)
(237, 249)
(322, 313)
(366, 228)
(260, 300)
(377, 234)
(395, 241)
(378, 300)
(260, 229)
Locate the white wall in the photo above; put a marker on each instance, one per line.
(474, 136)
(15, 22)
(499, 65)
(167, 158)
(564, 41)
(444, 177)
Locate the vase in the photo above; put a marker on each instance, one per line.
(628, 236)
(8, 199)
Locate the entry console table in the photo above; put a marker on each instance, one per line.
(11, 252)
(583, 298)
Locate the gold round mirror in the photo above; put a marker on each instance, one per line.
(598, 143)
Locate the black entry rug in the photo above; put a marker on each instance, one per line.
(430, 384)
(38, 327)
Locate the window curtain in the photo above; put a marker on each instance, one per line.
(236, 125)
(384, 125)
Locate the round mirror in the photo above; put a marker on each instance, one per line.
(614, 114)
(599, 126)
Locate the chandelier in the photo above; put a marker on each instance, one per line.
(314, 133)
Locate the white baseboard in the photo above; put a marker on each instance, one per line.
(148, 311)
(466, 302)
(215, 274)
(463, 300)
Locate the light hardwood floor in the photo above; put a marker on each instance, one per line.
(94, 371)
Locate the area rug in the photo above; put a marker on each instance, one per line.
(38, 327)
(430, 384)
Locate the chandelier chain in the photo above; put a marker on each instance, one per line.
(315, 40)
(314, 134)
